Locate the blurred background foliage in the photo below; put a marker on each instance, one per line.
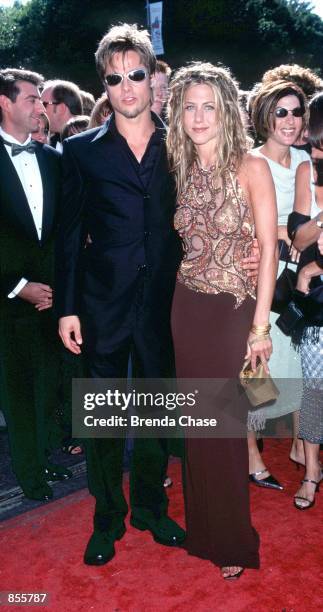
(58, 37)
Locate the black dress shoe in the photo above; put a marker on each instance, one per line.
(41, 492)
(269, 483)
(56, 473)
(100, 548)
(164, 530)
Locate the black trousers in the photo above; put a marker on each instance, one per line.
(152, 356)
(30, 365)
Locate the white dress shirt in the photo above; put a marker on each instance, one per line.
(26, 166)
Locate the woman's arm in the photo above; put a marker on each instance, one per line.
(306, 274)
(307, 233)
(263, 200)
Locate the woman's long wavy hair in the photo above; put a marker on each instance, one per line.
(231, 142)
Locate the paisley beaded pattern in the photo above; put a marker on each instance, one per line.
(217, 227)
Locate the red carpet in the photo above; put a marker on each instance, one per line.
(41, 551)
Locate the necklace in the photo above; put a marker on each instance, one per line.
(209, 168)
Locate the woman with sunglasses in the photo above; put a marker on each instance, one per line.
(278, 113)
(305, 224)
(225, 197)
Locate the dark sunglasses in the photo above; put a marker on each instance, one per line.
(282, 112)
(45, 104)
(136, 76)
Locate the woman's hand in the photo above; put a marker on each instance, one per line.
(282, 235)
(306, 274)
(258, 348)
(303, 280)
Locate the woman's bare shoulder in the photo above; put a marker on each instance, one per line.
(254, 164)
(255, 161)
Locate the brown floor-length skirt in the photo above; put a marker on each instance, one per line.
(210, 342)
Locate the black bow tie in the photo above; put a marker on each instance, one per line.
(16, 148)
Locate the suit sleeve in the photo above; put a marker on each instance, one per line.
(70, 238)
(10, 285)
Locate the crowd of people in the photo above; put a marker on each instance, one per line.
(160, 245)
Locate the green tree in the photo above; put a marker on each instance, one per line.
(59, 37)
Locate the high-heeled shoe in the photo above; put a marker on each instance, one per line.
(310, 502)
(299, 465)
(231, 576)
(270, 482)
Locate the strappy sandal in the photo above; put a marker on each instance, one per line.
(310, 503)
(231, 576)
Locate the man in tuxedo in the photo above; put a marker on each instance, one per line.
(114, 296)
(30, 191)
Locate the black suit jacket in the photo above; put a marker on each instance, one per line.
(131, 231)
(21, 252)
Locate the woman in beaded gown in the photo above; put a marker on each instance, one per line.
(225, 197)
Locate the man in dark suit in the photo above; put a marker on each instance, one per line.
(114, 296)
(30, 191)
(62, 101)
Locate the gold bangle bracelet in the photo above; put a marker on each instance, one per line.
(260, 330)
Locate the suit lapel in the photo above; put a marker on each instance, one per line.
(48, 194)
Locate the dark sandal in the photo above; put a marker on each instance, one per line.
(310, 503)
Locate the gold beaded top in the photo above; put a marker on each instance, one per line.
(217, 227)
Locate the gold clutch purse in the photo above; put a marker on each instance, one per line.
(259, 386)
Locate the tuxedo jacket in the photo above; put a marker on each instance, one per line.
(22, 254)
(133, 246)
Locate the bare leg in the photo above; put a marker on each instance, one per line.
(256, 463)
(313, 472)
(297, 453)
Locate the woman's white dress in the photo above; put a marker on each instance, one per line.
(285, 363)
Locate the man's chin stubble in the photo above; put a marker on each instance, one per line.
(132, 113)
